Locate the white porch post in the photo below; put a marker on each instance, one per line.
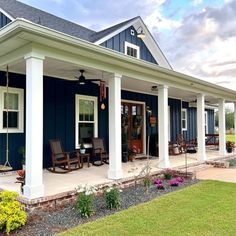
(34, 187)
(201, 127)
(164, 161)
(222, 133)
(234, 123)
(115, 162)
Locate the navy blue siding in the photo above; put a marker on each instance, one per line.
(175, 118)
(191, 132)
(3, 20)
(16, 140)
(59, 116)
(118, 41)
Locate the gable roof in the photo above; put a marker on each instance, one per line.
(20, 10)
(16, 9)
(103, 33)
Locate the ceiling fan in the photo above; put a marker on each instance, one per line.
(82, 80)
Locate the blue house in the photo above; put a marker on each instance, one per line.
(143, 96)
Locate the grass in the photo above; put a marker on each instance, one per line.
(207, 208)
(230, 137)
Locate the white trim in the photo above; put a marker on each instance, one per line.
(20, 93)
(95, 100)
(76, 51)
(6, 14)
(148, 40)
(186, 119)
(144, 121)
(131, 45)
(169, 128)
(206, 122)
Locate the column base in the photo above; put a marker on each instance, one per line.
(115, 174)
(32, 192)
(202, 157)
(222, 152)
(163, 164)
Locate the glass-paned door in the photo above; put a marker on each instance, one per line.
(132, 125)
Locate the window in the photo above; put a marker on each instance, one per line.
(184, 119)
(12, 110)
(206, 122)
(132, 50)
(86, 119)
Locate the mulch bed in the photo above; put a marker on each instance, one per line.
(51, 222)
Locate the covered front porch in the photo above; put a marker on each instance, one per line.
(47, 66)
(57, 184)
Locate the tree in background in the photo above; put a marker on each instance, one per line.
(229, 119)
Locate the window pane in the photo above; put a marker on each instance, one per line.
(86, 110)
(184, 124)
(12, 101)
(86, 132)
(134, 110)
(12, 119)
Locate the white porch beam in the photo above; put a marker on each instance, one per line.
(222, 132)
(234, 123)
(164, 161)
(115, 163)
(34, 187)
(201, 127)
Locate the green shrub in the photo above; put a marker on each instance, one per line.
(112, 197)
(85, 200)
(12, 214)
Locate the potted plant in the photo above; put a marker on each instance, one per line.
(229, 146)
(82, 147)
(21, 151)
(132, 152)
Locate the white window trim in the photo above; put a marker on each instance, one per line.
(95, 100)
(186, 119)
(127, 44)
(206, 122)
(20, 92)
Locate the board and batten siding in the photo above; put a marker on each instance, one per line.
(191, 132)
(117, 43)
(4, 20)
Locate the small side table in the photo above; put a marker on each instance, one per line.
(83, 158)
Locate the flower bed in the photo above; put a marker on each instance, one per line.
(51, 222)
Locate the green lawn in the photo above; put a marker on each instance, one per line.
(230, 137)
(207, 208)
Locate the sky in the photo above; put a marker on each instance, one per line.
(198, 37)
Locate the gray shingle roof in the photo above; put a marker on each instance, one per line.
(105, 32)
(18, 9)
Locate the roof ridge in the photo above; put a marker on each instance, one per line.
(100, 34)
(45, 12)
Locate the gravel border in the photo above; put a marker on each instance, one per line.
(49, 223)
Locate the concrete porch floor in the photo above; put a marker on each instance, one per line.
(59, 183)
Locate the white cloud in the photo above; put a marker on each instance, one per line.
(196, 2)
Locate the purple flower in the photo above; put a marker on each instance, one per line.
(179, 179)
(158, 181)
(159, 186)
(174, 182)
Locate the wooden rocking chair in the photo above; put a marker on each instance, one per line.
(184, 146)
(62, 159)
(99, 151)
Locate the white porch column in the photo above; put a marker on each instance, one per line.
(164, 161)
(34, 187)
(115, 163)
(201, 127)
(222, 132)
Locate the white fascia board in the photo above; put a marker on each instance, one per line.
(115, 62)
(6, 14)
(149, 41)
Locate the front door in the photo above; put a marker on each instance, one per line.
(132, 124)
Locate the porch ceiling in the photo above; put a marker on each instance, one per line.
(64, 70)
